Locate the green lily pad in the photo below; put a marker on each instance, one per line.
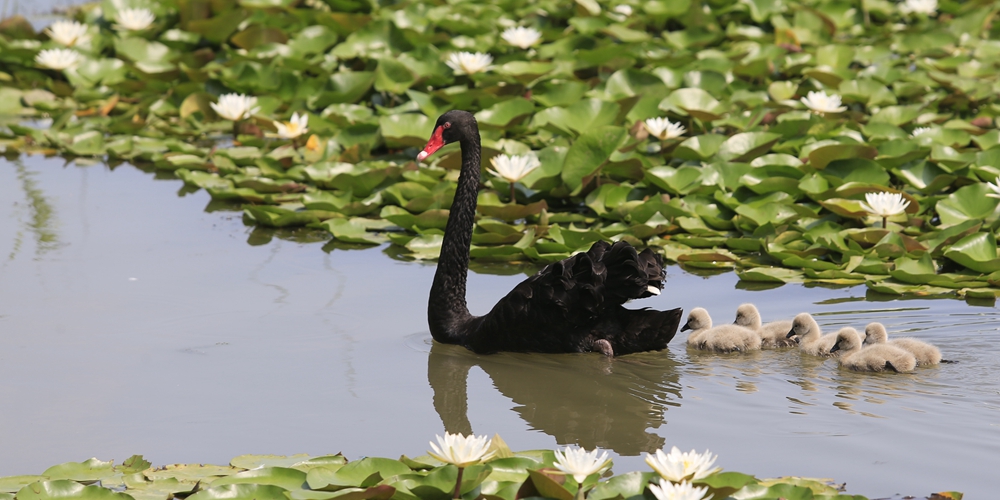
(242, 492)
(288, 479)
(894, 288)
(695, 102)
(406, 129)
(353, 230)
(856, 170)
(770, 275)
(820, 157)
(977, 252)
(89, 470)
(184, 472)
(11, 484)
(701, 147)
(747, 145)
(503, 113)
(916, 271)
(681, 180)
(69, 490)
(582, 117)
(967, 203)
(393, 76)
(589, 152)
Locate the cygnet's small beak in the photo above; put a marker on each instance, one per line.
(686, 327)
(790, 334)
(652, 289)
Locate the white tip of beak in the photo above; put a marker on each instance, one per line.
(422, 155)
(653, 290)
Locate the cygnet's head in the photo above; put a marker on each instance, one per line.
(875, 334)
(698, 319)
(748, 316)
(848, 340)
(801, 325)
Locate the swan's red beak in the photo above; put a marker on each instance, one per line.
(433, 144)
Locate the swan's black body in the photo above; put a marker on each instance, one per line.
(571, 306)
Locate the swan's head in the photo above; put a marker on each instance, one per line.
(875, 334)
(748, 316)
(848, 340)
(698, 319)
(452, 126)
(802, 325)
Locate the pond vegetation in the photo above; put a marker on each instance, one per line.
(725, 134)
(457, 466)
(748, 136)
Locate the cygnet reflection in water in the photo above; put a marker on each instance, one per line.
(581, 399)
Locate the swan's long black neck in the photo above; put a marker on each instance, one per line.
(447, 309)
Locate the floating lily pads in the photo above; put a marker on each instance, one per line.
(748, 166)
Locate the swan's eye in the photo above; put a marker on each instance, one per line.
(446, 125)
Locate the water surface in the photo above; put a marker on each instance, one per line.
(137, 317)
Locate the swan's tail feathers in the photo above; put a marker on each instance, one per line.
(648, 330)
(652, 263)
(574, 287)
(630, 275)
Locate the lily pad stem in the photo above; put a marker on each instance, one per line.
(458, 483)
(884, 222)
(580, 492)
(513, 199)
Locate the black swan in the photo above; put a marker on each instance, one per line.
(570, 306)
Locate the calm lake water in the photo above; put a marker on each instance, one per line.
(134, 318)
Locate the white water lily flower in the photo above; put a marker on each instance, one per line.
(513, 168)
(995, 187)
(297, 126)
(521, 37)
(625, 10)
(235, 106)
(677, 466)
(467, 63)
(580, 463)
(884, 204)
(920, 131)
(822, 103)
(663, 128)
(680, 491)
(928, 7)
(58, 58)
(68, 33)
(135, 19)
(461, 450)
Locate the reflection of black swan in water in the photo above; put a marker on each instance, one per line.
(570, 306)
(589, 401)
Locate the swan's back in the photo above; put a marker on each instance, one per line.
(773, 334)
(878, 358)
(925, 354)
(571, 304)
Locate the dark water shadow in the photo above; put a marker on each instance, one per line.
(582, 399)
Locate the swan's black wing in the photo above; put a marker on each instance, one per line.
(571, 303)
